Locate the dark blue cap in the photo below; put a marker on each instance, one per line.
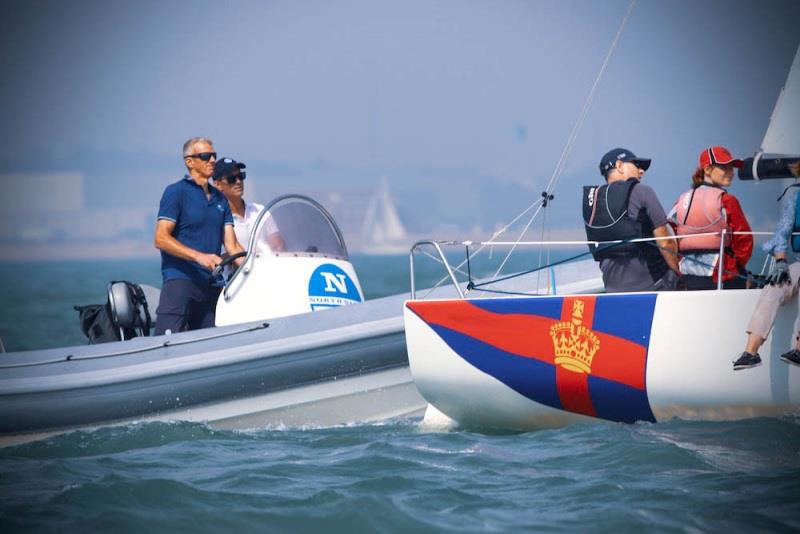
(621, 154)
(225, 166)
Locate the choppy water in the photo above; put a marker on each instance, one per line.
(676, 476)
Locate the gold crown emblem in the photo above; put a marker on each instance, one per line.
(575, 345)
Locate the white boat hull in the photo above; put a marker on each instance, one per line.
(492, 363)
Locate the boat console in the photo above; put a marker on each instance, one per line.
(296, 262)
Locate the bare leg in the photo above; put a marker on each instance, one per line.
(754, 342)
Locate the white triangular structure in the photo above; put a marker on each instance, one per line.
(783, 133)
(382, 231)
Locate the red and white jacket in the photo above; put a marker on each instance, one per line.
(707, 209)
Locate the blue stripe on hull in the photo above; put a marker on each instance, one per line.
(629, 316)
(619, 402)
(534, 379)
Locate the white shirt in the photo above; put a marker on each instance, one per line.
(243, 227)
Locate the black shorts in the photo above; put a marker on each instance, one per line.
(693, 283)
(185, 305)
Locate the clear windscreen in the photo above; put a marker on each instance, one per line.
(295, 225)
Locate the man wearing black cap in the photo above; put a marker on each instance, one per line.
(229, 178)
(623, 209)
(194, 221)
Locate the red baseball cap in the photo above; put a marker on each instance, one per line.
(718, 155)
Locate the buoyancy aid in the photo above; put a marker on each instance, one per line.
(699, 211)
(605, 216)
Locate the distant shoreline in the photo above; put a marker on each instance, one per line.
(118, 250)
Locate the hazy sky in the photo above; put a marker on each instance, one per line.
(494, 86)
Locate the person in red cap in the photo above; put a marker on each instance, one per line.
(707, 217)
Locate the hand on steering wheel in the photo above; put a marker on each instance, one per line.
(227, 261)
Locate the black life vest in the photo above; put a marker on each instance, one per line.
(605, 216)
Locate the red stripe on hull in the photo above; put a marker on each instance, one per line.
(573, 390)
(573, 386)
(528, 335)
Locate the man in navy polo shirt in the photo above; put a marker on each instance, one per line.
(194, 221)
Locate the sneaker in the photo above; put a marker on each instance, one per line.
(792, 357)
(747, 360)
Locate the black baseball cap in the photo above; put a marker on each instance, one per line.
(622, 154)
(225, 167)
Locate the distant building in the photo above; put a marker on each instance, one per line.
(44, 217)
(44, 192)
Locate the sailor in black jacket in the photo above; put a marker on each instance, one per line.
(623, 209)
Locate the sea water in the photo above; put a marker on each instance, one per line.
(394, 476)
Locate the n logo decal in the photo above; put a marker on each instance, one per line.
(338, 280)
(329, 287)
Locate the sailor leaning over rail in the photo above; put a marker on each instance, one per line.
(782, 286)
(624, 209)
(701, 214)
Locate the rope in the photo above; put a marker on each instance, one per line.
(540, 268)
(163, 344)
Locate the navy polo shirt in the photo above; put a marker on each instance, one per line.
(199, 224)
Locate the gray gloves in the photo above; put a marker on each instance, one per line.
(779, 274)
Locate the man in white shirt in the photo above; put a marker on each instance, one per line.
(229, 178)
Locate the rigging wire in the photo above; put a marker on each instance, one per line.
(565, 153)
(499, 232)
(521, 235)
(558, 171)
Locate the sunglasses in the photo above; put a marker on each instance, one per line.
(233, 177)
(204, 156)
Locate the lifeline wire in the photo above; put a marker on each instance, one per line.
(457, 268)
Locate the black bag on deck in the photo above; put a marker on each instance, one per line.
(125, 314)
(96, 323)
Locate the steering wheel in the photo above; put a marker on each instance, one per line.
(227, 261)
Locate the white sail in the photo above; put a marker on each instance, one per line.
(783, 133)
(382, 226)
